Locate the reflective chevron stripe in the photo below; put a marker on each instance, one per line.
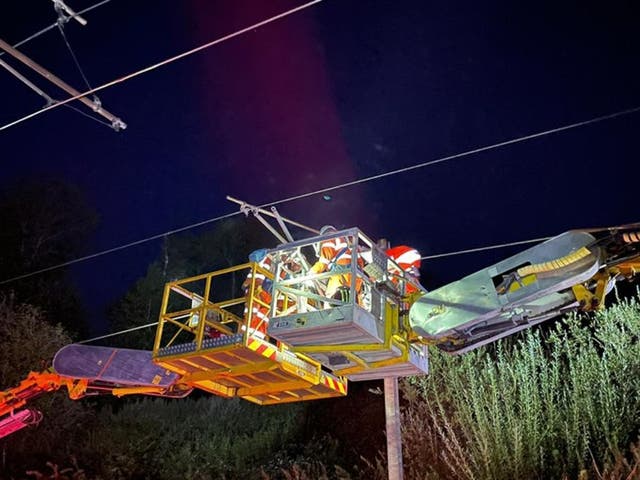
(264, 349)
(334, 384)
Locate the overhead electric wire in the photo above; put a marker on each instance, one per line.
(96, 100)
(116, 249)
(162, 63)
(343, 185)
(88, 115)
(128, 330)
(482, 249)
(73, 55)
(462, 154)
(287, 199)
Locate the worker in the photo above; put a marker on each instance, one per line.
(263, 286)
(409, 260)
(335, 254)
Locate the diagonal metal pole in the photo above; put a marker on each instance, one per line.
(270, 214)
(26, 81)
(116, 123)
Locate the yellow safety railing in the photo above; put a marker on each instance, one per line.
(209, 305)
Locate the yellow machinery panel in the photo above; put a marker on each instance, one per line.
(213, 344)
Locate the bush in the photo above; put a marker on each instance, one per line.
(547, 405)
(28, 343)
(318, 458)
(201, 438)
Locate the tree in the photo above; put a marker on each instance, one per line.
(28, 342)
(44, 223)
(228, 244)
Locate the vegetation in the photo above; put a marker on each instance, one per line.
(28, 343)
(45, 223)
(200, 438)
(563, 403)
(182, 256)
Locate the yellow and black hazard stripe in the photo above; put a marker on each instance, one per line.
(262, 348)
(335, 384)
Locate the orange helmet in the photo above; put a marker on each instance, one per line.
(407, 258)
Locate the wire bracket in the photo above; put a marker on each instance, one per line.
(65, 13)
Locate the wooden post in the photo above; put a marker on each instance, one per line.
(394, 437)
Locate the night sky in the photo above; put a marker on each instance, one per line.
(343, 90)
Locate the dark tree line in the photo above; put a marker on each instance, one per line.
(45, 223)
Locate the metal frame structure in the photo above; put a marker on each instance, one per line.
(368, 328)
(223, 353)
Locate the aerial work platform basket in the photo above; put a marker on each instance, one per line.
(360, 330)
(207, 334)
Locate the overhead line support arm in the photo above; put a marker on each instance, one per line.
(116, 123)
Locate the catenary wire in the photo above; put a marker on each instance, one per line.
(116, 249)
(355, 182)
(88, 115)
(482, 249)
(121, 332)
(285, 200)
(427, 257)
(161, 64)
(462, 154)
(73, 55)
(450, 254)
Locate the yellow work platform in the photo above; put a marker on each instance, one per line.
(257, 371)
(204, 336)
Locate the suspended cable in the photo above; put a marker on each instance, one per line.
(161, 64)
(481, 249)
(462, 154)
(88, 115)
(355, 182)
(61, 20)
(428, 257)
(116, 249)
(121, 332)
(73, 55)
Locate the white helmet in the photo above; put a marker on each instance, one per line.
(327, 229)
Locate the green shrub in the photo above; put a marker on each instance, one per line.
(545, 405)
(203, 438)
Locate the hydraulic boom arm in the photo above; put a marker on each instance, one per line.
(573, 271)
(86, 370)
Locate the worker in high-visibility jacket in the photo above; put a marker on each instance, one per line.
(259, 318)
(335, 255)
(409, 260)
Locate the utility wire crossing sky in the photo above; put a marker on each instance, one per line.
(348, 184)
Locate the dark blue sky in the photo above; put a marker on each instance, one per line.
(343, 90)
